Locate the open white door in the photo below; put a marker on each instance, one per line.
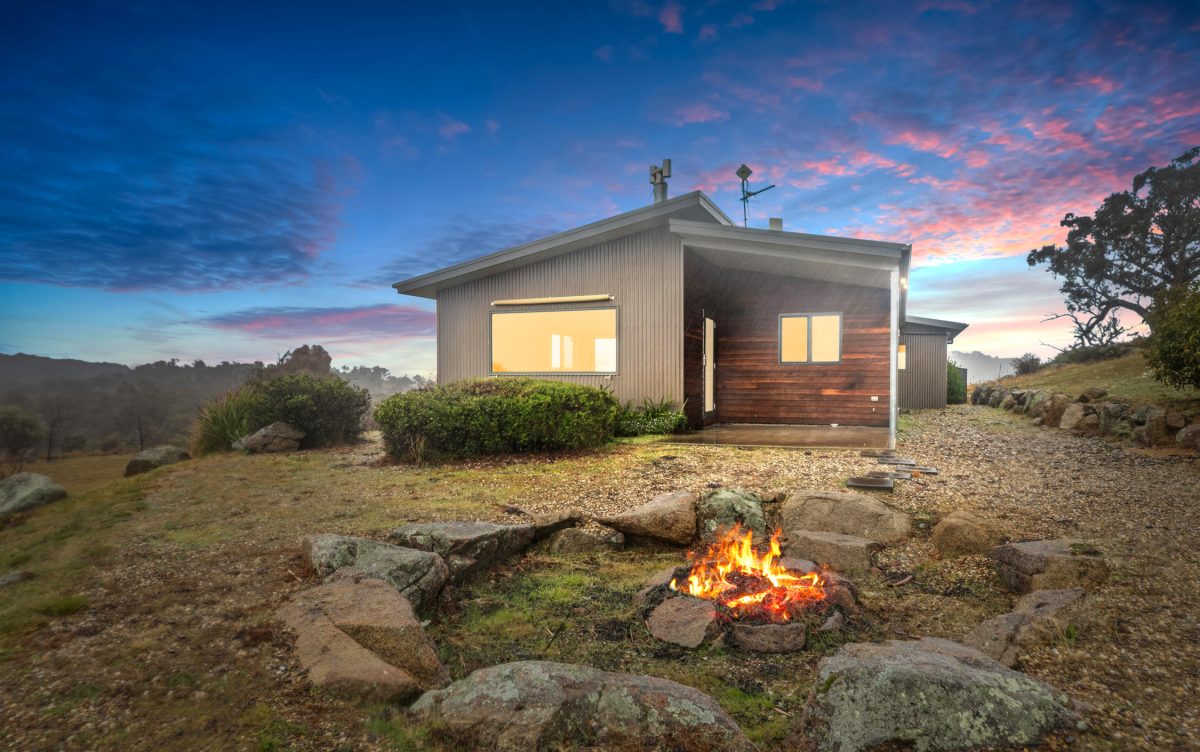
(710, 365)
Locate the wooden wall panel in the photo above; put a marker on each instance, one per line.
(752, 386)
(643, 271)
(922, 384)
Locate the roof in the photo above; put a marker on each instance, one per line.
(694, 206)
(917, 324)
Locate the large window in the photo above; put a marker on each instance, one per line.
(810, 338)
(579, 341)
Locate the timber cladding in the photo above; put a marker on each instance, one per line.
(752, 385)
(642, 271)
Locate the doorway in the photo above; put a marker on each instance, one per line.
(710, 370)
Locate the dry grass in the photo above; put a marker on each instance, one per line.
(1126, 378)
(148, 622)
(80, 474)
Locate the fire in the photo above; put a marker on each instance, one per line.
(732, 573)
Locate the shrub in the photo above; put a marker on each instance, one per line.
(1095, 353)
(1174, 351)
(1027, 364)
(956, 386)
(20, 433)
(223, 421)
(329, 410)
(651, 418)
(495, 416)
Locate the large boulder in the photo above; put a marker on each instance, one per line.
(1050, 565)
(1188, 437)
(719, 511)
(1093, 394)
(362, 639)
(277, 437)
(997, 397)
(843, 512)
(149, 459)
(1003, 637)
(932, 694)
(1150, 426)
(28, 490)
(669, 517)
(417, 575)
(845, 553)
(468, 547)
(965, 533)
(1071, 416)
(531, 705)
(549, 523)
(1034, 403)
(574, 540)
(1053, 408)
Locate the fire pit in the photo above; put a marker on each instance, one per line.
(765, 601)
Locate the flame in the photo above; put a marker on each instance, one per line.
(732, 573)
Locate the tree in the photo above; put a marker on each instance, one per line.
(1174, 351)
(20, 433)
(956, 386)
(310, 359)
(1027, 364)
(142, 412)
(1141, 246)
(58, 411)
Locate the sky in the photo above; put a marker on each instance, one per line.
(227, 181)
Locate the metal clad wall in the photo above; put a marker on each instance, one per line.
(644, 273)
(923, 383)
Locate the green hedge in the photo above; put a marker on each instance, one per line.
(956, 387)
(329, 410)
(495, 416)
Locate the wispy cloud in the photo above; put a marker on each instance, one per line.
(371, 322)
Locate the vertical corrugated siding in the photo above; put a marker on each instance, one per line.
(922, 384)
(644, 273)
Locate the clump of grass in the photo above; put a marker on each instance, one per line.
(223, 421)
(62, 606)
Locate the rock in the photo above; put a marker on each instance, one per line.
(661, 577)
(362, 639)
(1089, 425)
(277, 437)
(768, 638)
(670, 517)
(1053, 408)
(1150, 426)
(1093, 394)
(932, 694)
(28, 490)
(539, 705)
(13, 577)
(684, 621)
(1072, 414)
(847, 553)
(1035, 402)
(719, 511)
(1018, 396)
(1176, 419)
(417, 575)
(1002, 637)
(1049, 565)
(977, 394)
(545, 525)
(1188, 437)
(965, 533)
(834, 623)
(1008, 402)
(997, 397)
(468, 547)
(576, 541)
(842, 512)
(149, 459)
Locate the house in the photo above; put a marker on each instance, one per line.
(673, 300)
(921, 361)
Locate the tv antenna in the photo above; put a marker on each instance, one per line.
(744, 173)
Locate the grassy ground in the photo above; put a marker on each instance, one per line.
(80, 474)
(147, 624)
(1126, 378)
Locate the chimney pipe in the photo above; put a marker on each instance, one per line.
(776, 223)
(658, 179)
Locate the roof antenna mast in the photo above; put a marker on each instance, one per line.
(658, 179)
(744, 173)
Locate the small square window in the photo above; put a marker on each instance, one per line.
(901, 357)
(810, 338)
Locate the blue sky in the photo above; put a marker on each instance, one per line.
(225, 182)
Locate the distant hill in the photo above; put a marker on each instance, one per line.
(21, 369)
(982, 367)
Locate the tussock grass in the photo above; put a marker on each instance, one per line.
(1127, 378)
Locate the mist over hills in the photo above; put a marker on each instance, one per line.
(981, 366)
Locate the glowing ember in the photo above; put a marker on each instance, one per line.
(733, 574)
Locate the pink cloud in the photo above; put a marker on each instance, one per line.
(363, 322)
(700, 112)
(803, 82)
(707, 31)
(451, 129)
(671, 17)
(603, 53)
